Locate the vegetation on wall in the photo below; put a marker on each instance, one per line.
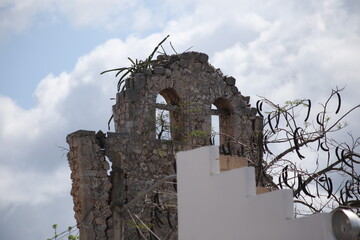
(67, 234)
(137, 66)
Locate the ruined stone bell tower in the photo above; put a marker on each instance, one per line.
(104, 204)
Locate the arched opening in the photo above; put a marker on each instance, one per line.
(167, 115)
(222, 124)
(162, 120)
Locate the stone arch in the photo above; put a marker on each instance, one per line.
(170, 95)
(172, 108)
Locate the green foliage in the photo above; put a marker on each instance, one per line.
(67, 232)
(161, 152)
(54, 226)
(198, 133)
(136, 66)
(72, 237)
(296, 102)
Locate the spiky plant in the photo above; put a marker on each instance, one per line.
(136, 66)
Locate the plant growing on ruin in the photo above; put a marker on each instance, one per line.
(137, 66)
(196, 134)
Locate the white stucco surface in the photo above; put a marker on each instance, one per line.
(214, 205)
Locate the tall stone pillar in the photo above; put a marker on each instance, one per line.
(91, 185)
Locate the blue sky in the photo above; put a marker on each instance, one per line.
(40, 51)
(52, 51)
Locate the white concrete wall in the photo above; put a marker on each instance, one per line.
(222, 206)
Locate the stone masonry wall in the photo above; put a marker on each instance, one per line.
(196, 84)
(190, 85)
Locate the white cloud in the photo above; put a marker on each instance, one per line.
(32, 187)
(94, 12)
(295, 55)
(25, 129)
(145, 19)
(52, 90)
(124, 16)
(17, 15)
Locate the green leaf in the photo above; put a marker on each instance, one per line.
(156, 48)
(121, 79)
(117, 74)
(112, 70)
(133, 63)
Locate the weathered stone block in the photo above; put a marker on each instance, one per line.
(130, 94)
(234, 90)
(230, 81)
(167, 72)
(129, 83)
(253, 111)
(197, 66)
(187, 72)
(174, 65)
(184, 63)
(246, 99)
(146, 71)
(139, 80)
(187, 55)
(203, 58)
(159, 70)
(161, 57)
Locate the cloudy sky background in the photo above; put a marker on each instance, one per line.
(52, 51)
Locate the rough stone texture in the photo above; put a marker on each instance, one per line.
(91, 185)
(193, 85)
(190, 85)
(230, 81)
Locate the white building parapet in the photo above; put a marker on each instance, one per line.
(224, 205)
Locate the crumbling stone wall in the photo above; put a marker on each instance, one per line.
(91, 185)
(190, 85)
(197, 85)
